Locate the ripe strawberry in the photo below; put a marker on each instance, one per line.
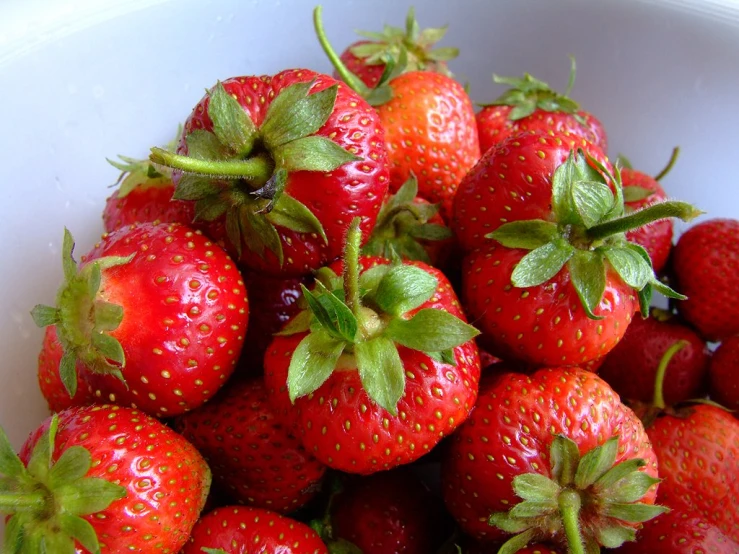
(243, 530)
(698, 452)
(409, 227)
(631, 367)
(429, 123)
(144, 194)
(156, 314)
(367, 59)
(379, 382)
(101, 479)
(49, 380)
(252, 456)
(706, 266)
(531, 105)
(723, 374)
(553, 456)
(279, 165)
(680, 531)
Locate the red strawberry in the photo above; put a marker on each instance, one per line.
(706, 265)
(553, 456)
(631, 367)
(156, 314)
(680, 531)
(242, 530)
(723, 373)
(368, 59)
(300, 155)
(379, 382)
(531, 105)
(429, 123)
(101, 479)
(144, 194)
(252, 456)
(49, 380)
(698, 452)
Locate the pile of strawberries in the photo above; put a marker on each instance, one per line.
(266, 351)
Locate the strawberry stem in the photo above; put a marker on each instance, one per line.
(634, 220)
(23, 502)
(351, 266)
(569, 506)
(659, 380)
(257, 169)
(670, 164)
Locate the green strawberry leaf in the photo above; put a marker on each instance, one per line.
(211, 208)
(563, 204)
(533, 508)
(614, 536)
(79, 529)
(592, 200)
(14, 535)
(68, 372)
(195, 187)
(633, 193)
(430, 330)
(294, 215)
(312, 363)
(632, 488)
(596, 463)
(565, 457)
(443, 54)
(504, 522)
(535, 487)
(542, 263)
(370, 279)
(89, 495)
(588, 274)
(231, 124)
(529, 235)
(259, 233)
(298, 324)
(109, 347)
(631, 262)
(10, 464)
(69, 265)
(41, 456)
(43, 316)
(665, 290)
(634, 513)
(312, 153)
(404, 288)
(204, 145)
(71, 466)
(331, 313)
(517, 542)
(381, 371)
(617, 473)
(431, 232)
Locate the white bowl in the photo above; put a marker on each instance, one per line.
(85, 80)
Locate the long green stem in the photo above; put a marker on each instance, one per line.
(659, 380)
(569, 507)
(670, 164)
(634, 220)
(12, 503)
(351, 266)
(258, 169)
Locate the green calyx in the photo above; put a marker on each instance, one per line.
(417, 44)
(84, 320)
(45, 499)
(364, 315)
(402, 226)
(240, 171)
(587, 502)
(587, 235)
(528, 94)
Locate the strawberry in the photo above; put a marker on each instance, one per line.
(723, 373)
(251, 454)
(564, 280)
(698, 452)
(155, 313)
(376, 381)
(680, 531)
(246, 530)
(640, 191)
(279, 165)
(474, 547)
(410, 227)
(554, 456)
(49, 380)
(144, 194)
(706, 266)
(367, 58)
(101, 479)
(631, 367)
(429, 123)
(531, 105)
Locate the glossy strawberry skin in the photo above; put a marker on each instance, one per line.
(391, 511)
(724, 374)
(698, 453)
(49, 380)
(252, 456)
(679, 531)
(438, 397)
(185, 317)
(144, 204)
(494, 125)
(512, 182)
(243, 530)
(430, 131)
(631, 367)
(706, 266)
(655, 237)
(544, 325)
(166, 479)
(370, 74)
(355, 189)
(510, 432)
